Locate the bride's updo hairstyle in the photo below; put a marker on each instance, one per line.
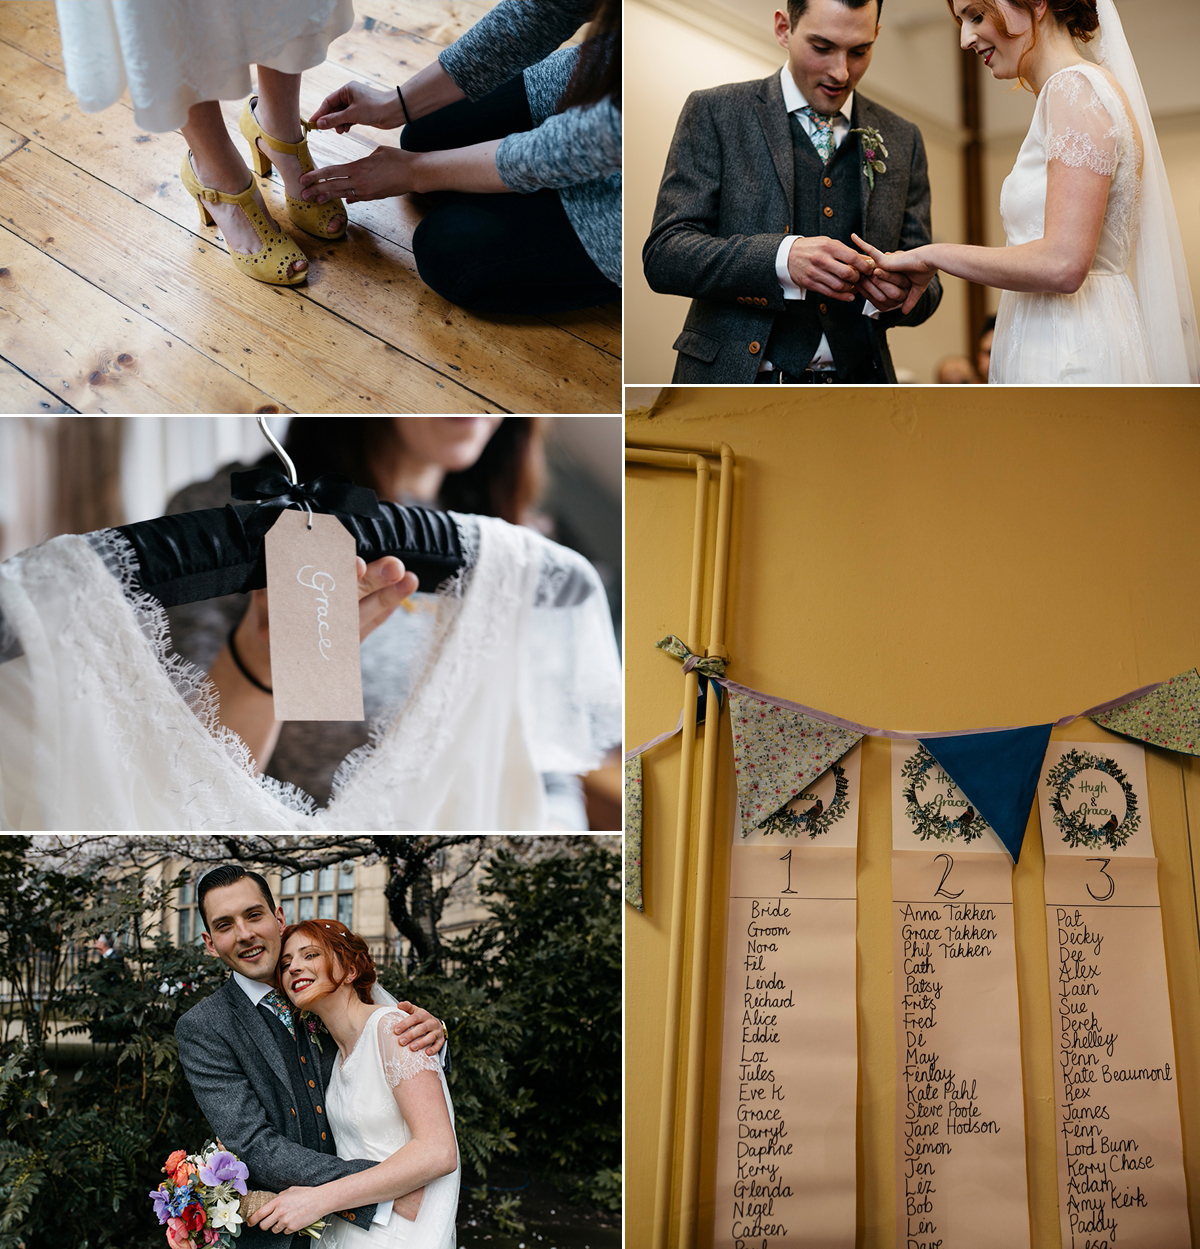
(1078, 16)
(348, 950)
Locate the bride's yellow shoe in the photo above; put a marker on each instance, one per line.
(277, 254)
(312, 218)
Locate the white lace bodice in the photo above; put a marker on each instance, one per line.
(101, 727)
(1081, 121)
(367, 1123)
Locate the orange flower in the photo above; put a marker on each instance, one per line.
(173, 1162)
(183, 1172)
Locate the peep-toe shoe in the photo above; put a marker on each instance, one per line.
(278, 252)
(312, 218)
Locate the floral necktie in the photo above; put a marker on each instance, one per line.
(281, 1008)
(822, 133)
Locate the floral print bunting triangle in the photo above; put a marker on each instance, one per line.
(1168, 716)
(778, 752)
(633, 831)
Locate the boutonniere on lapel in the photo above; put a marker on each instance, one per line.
(316, 1030)
(873, 147)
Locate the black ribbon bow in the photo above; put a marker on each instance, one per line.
(331, 492)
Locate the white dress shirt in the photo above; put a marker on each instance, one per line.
(794, 102)
(255, 990)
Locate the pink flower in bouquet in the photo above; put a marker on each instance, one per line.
(211, 1237)
(178, 1236)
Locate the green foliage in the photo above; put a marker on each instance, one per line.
(602, 1189)
(506, 1215)
(81, 1153)
(551, 952)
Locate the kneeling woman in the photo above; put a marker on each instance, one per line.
(474, 131)
(383, 1102)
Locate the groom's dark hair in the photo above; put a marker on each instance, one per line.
(228, 874)
(796, 9)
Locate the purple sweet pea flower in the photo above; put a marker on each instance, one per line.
(224, 1168)
(161, 1199)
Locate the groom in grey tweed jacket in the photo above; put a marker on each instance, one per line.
(752, 212)
(262, 1089)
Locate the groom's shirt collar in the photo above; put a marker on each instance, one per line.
(255, 990)
(793, 100)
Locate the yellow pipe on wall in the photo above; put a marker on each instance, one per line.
(666, 1134)
(702, 908)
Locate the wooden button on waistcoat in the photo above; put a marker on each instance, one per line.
(755, 348)
(822, 307)
(318, 1110)
(303, 1059)
(322, 1135)
(829, 182)
(293, 1110)
(828, 212)
(312, 1084)
(350, 1217)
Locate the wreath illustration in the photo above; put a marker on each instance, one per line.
(930, 820)
(818, 818)
(1073, 825)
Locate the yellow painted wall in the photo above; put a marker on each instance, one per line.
(924, 559)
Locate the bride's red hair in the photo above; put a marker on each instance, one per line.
(348, 952)
(1078, 16)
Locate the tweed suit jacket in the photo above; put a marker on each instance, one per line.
(232, 1062)
(727, 201)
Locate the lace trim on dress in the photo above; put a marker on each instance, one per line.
(1097, 145)
(399, 1062)
(189, 682)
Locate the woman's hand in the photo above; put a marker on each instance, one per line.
(408, 1206)
(382, 586)
(356, 104)
(387, 171)
(294, 1209)
(916, 264)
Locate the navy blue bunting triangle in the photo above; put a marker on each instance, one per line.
(998, 774)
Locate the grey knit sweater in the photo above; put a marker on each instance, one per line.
(578, 152)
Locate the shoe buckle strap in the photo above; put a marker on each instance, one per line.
(208, 193)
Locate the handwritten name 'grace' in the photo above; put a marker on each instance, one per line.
(324, 585)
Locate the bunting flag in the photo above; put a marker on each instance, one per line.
(1168, 717)
(777, 752)
(997, 773)
(633, 832)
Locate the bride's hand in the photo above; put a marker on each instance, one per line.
(408, 1205)
(294, 1209)
(915, 264)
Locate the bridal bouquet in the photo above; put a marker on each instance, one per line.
(204, 1201)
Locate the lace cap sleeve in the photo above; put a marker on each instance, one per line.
(399, 1062)
(1081, 130)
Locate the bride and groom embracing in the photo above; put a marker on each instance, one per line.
(795, 212)
(349, 1117)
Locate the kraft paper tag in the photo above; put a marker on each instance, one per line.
(312, 595)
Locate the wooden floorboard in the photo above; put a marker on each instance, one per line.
(101, 200)
(91, 351)
(19, 393)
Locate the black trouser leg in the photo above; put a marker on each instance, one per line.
(499, 252)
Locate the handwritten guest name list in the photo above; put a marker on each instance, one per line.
(1120, 1163)
(960, 1123)
(789, 1076)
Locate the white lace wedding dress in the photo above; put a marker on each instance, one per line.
(175, 53)
(367, 1124)
(1097, 334)
(514, 673)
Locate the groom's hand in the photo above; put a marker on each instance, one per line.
(827, 266)
(886, 291)
(420, 1031)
